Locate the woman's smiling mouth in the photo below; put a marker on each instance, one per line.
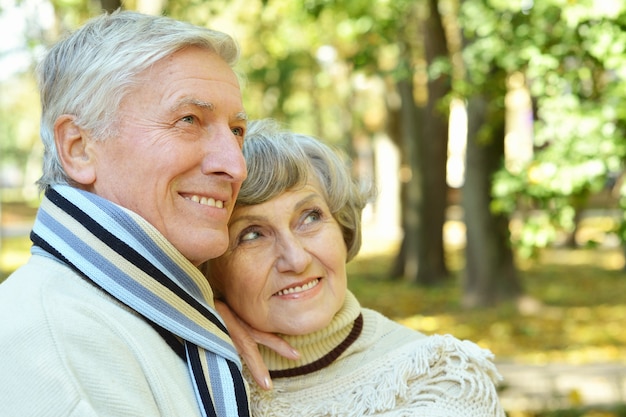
(299, 288)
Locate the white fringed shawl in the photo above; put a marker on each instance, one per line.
(390, 370)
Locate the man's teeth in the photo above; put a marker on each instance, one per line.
(294, 290)
(207, 201)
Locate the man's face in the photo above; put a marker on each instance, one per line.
(176, 159)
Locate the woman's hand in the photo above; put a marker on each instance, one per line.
(246, 339)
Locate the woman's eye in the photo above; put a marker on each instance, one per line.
(312, 216)
(249, 235)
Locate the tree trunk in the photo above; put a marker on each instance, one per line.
(406, 264)
(433, 156)
(490, 274)
(110, 5)
(421, 258)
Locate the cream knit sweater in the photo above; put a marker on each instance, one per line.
(382, 369)
(68, 349)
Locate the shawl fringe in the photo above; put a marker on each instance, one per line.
(437, 376)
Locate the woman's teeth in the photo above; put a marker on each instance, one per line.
(294, 290)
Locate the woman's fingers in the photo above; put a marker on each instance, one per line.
(245, 339)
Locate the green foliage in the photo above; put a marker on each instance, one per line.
(20, 147)
(572, 55)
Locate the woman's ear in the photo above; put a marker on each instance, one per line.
(72, 145)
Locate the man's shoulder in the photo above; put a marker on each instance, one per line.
(63, 337)
(39, 282)
(45, 300)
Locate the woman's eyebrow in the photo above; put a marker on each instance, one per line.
(248, 218)
(306, 200)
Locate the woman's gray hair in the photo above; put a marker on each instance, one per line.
(89, 73)
(279, 160)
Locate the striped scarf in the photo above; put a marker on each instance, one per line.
(127, 257)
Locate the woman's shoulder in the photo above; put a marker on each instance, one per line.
(377, 329)
(433, 350)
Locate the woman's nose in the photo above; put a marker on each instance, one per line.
(292, 256)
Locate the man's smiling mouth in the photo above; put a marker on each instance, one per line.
(206, 201)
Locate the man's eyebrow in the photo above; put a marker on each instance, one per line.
(189, 101)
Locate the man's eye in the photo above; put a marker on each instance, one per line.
(188, 119)
(237, 131)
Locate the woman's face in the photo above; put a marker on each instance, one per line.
(285, 267)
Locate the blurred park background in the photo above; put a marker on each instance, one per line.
(494, 131)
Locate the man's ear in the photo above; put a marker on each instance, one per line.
(72, 144)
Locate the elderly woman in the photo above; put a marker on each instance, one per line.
(296, 224)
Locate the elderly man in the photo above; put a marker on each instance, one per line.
(143, 124)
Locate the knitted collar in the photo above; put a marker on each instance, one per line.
(321, 348)
(127, 257)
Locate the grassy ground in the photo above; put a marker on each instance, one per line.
(572, 313)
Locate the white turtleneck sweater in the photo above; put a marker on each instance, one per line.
(364, 364)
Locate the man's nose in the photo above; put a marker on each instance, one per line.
(224, 156)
